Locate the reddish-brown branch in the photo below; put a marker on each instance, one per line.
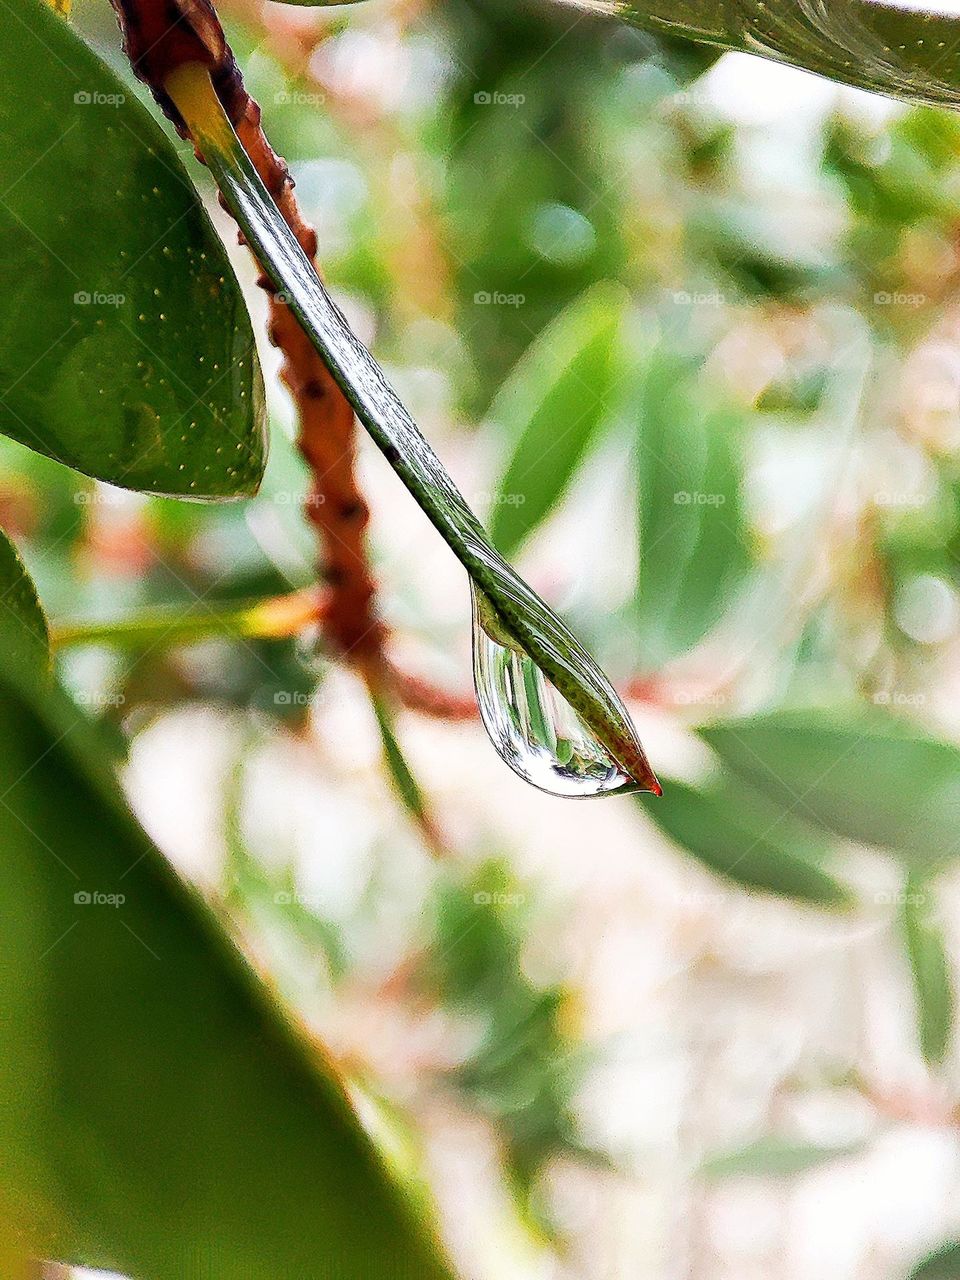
(160, 35)
(418, 694)
(327, 438)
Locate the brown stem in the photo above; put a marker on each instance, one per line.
(327, 438)
(160, 35)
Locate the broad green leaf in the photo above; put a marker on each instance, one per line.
(894, 48)
(774, 1157)
(552, 404)
(159, 1115)
(20, 607)
(513, 614)
(125, 346)
(864, 776)
(734, 831)
(929, 967)
(942, 1264)
(694, 543)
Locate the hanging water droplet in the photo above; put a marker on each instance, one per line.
(533, 727)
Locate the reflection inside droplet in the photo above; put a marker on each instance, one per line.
(536, 731)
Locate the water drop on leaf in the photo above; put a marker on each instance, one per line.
(533, 727)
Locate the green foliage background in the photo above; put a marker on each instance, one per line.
(697, 366)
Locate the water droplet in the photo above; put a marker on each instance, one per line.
(533, 727)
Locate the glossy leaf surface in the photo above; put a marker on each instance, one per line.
(159, 1115)
(125, 346)
(902, 49)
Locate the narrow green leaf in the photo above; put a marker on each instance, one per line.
(402, 776)
(515, 610)
(160, 1116)
(929, 967)
(864, 776)
(899, 49)
(551, 405)
(20, 607)
(736, 832)
(942, 1264)
(270, 619)
(125, 346)
(694, 542)
(774, 1157)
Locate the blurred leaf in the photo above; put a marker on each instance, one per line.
(929, 967)
(160, 1114)
(774, 1157)
(125, 347)
(746, 241)
(903, 181)
(521, 1071)
(878, 45)
(535, 208)
(694, 542)
(734, 831)
(404, 780)
(268, 894)
(27, 631)
(551, 405)
(797, 392)
(405, 783)
(942, 1264)
(864, 776)
(901, 189)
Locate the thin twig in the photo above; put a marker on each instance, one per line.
(160, 35)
